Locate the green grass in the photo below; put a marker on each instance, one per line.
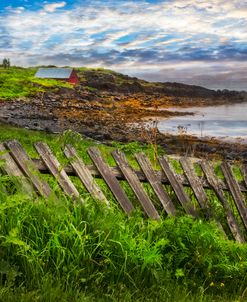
(75, 252)
(57, 143)
(72, 252)
(20, 82)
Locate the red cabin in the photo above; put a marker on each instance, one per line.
(64, 74)
(73, 79)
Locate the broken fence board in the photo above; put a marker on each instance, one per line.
(177, 187)
(28, 168)
(155, 183)
(231, 220)
(12, 169)
(56, 170)
(235, 191)
(110, 180)
(135, 184)
(84, 174)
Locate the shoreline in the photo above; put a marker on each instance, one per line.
(182, 145)
(113, 122)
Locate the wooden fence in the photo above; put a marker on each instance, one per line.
(17, 163)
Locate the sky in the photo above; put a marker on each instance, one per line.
(190, 41)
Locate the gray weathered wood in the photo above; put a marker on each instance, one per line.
(243, 169)
(155, 182)
(110, 180)
(56, 170)
(28, 168)
(195, 184)
(177, 187)
(11, 168)
(119, 175)
(135, 184)
(235, 191)
(231, 220)
(198, 189)
(84, 174)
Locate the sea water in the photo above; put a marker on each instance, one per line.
(228, 122)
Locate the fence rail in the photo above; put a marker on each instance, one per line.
(18, 163)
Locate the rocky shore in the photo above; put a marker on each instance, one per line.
(110, 123)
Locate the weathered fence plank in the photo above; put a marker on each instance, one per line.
(198, 190)
(243, 169)
(177, 187)
(12, 169)
(195, 184)
(26, 165)
(135, 184)
(84, 174)
(110, 180)
(231, 220)
(56, 170)
(155, 182)
(235, 191)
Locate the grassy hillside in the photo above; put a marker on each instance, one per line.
(20, 82)
(67, 252)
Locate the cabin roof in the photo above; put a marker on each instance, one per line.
(54, 73)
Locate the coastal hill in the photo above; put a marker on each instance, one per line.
(105, 105)
(103, 101)
(108, 80)
(20, 82)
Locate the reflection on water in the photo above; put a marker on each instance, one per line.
(228, 121)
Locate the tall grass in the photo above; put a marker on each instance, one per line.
(81, 253)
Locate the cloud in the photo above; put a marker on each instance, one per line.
(216, 76)
(15, 10)
(50, 8)
(129, 35)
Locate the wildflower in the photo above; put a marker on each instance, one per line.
(211, 284)
(222, 284)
